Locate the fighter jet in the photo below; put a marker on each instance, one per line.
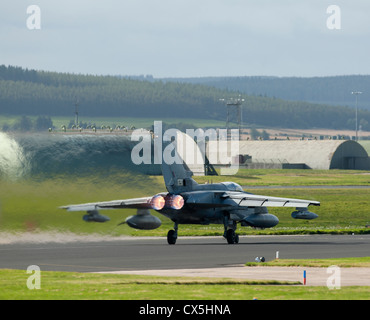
(187, 202)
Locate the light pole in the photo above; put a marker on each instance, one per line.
(76, 113)
(356, 93)
(236, 105)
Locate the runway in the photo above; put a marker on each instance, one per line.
(102, 254)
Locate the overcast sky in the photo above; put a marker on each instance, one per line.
(188, 38)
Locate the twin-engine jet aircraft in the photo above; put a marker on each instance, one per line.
(187, 202)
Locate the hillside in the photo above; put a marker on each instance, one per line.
(335, 90)
(30, 92)
(33, 92)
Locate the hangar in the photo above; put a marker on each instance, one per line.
(314, 154)
(309, 154)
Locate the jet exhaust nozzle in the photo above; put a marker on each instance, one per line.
(175, 201)
(157, 202)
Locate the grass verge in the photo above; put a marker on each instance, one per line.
(89, 286)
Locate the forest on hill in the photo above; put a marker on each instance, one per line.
(31, 92)
(333, 90)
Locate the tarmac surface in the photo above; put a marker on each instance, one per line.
(314, 276)
(191, 256)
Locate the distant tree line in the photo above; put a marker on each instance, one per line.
(33, 93)
(333, 90)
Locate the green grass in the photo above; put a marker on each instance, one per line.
(9, 120)
(293, 177)
(32, 205)
(363, 262)
(89, 286)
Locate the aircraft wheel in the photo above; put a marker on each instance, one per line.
(230, 236)
(236, 238)
(171, 237)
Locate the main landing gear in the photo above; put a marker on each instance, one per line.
(172, 235)
(231, 237)
(229, 233)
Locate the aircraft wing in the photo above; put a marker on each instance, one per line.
(252, 200)
(137, 203)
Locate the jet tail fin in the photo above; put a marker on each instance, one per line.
(176, 173)
(178, 177)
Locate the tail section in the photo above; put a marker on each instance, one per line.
(178, 177)
(176, 173)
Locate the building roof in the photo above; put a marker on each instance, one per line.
(316, 154)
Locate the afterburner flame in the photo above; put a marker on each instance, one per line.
(157, 202)
(176, 202)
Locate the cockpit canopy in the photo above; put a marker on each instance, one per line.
(232, 186)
